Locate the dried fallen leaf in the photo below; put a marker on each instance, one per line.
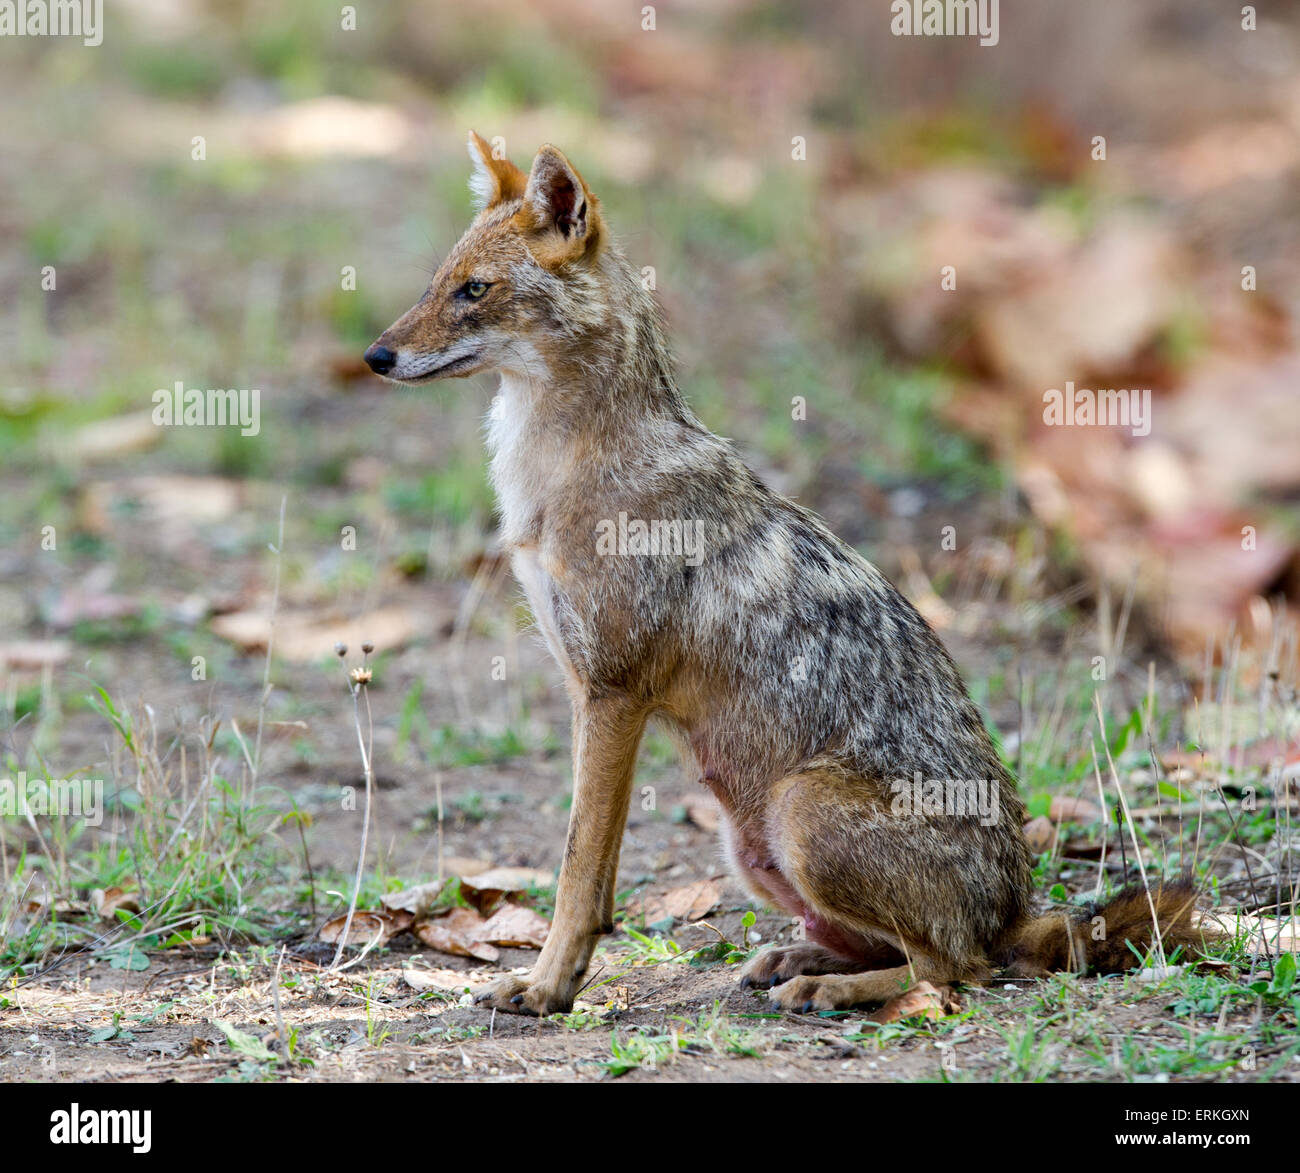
(457, 933)
(41, 906)
(439, 979)
(1040, 833)
(34, 653)
(1108, 294)
(514, 925)
(464, 865)
(1271, 753)
(923, 1000)
(1073, 810)
(418, 900)
(488, 889)
(367, 926)
(120, 435)
(703, 811)
(107, 901)
(1085, 848)
(306, 636)
(690, 902)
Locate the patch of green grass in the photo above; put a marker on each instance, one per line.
(125, 629)
(777, 217)
(909, 439)
(450, 746)
(527, 69)
(376, 1033)
(711, 1033)
(174, 70)
(458, 493)
(198, 853)
(643, 948)
(651, 950)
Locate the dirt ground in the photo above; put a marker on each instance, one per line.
(643, 1016)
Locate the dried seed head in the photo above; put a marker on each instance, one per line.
(360, 675)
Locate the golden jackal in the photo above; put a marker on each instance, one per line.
(668, 580)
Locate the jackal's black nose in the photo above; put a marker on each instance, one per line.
(380, 359)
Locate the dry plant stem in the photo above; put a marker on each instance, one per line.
(1231, 657)
(275, 1000)
(270, 643)
(365, 825)
(1295, 885)
(1200, 806)
(1282, 650)
(1147, 711)
(306, 860)
(437, 786)
(1250, 875)
(1105, 820)
(1137, 847)
(36, 830)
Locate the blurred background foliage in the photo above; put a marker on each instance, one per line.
(819, 277)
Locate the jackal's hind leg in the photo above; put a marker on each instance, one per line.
(884, 914)
(779, 963)
(840, 991)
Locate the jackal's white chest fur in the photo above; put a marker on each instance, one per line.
(526, 463)
(524, 458)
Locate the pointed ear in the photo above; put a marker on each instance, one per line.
(494, 180)
(558, 201)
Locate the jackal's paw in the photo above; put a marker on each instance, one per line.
(779, 963)
(514, 995)
(807, 995)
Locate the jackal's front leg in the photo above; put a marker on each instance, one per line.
(606, 733)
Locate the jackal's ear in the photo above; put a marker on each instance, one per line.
(495, 178)
(558, 201)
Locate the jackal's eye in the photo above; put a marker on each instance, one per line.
(473, 290)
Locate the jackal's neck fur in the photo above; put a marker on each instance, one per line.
(596, 400)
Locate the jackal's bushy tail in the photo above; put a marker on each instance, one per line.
(1097, 939)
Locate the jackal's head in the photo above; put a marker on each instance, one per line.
(519, 286)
